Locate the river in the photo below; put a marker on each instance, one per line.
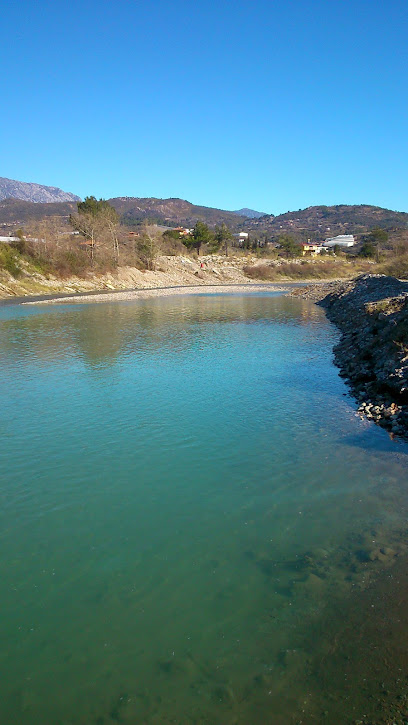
(189, 506)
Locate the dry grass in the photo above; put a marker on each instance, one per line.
(304, 270)
(395, 266)
(62, 260)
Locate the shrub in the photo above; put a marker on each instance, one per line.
(395, 267)
(260, 271)
(70, 261)
(172, 246)
(9, 260)
(302, 270)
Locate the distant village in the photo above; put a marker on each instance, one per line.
(342, 241)
(309, 248)
(240, 240)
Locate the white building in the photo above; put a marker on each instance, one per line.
(342, 240)
(240, 238)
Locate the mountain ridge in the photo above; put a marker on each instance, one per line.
(322, 221)
(317, 222)
(250, 213)
(32, 192)
(171, 211)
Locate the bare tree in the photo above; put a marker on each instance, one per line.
(149, 246)
(87, 225)
(46, 232)
(112, 224)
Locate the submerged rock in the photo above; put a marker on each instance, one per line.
(224, 693)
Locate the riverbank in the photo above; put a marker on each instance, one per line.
(135, 294)
(372, 315)
(171, 271)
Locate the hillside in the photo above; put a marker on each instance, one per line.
(322, 221)
(171, 212)
(132, 211)
(37, 193)
(15, 212)
(317, 222)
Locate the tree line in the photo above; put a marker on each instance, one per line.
(96, 240)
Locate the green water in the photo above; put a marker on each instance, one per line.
(185, 491)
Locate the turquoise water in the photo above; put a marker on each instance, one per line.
(185, 490)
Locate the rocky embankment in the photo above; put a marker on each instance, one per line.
(372, 315)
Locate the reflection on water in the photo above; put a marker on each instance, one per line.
(103, 332)
(186, 495)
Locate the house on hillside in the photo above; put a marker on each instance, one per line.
(311, 248)
(183, 232)
(240, 238)
(342, 240)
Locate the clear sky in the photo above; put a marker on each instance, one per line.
(274, 105)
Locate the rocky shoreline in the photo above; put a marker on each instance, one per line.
(371, 312)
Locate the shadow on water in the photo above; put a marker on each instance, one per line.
(374, 439)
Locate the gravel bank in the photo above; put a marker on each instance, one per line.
(162, 292)
(316, 291)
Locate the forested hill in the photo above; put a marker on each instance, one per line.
(132, 212)
(15, 212)
(171, 212)
(322, 221)
(317, 222)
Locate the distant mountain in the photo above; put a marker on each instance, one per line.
(319, 222)
(10, 189)
(133, 211)
(315, 222)
(171, 212)
(250, 213)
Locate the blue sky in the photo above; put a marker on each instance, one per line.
(272, 105)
